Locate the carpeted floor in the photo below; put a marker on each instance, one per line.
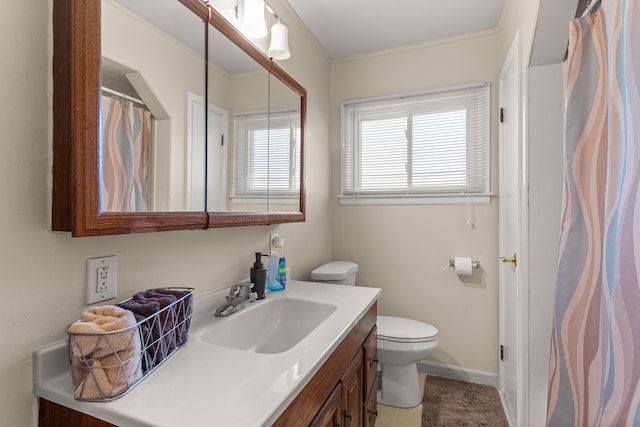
(456, 403)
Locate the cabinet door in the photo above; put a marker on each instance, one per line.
(352, 393)
(370, 359)
(330, 414)
(370, 373)
(371, 407)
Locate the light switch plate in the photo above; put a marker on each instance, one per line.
(101, 279)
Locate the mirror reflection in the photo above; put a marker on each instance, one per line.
(237, 86)
(152, 65)
(154, 154)
(258, 169)
(284, 135)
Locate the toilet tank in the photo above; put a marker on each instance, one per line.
(336, 272)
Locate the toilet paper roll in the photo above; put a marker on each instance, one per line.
(463, 266)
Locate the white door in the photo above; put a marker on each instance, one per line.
(217, 163)
(216, 176)
(510, 166)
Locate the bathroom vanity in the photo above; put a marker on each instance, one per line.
(321, 371)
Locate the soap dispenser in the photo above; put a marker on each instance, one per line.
(258, 275)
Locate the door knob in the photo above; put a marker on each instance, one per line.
(513, 260)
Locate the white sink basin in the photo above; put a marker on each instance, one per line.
(269, 327)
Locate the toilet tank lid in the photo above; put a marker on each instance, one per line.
(399, 328)
(336, 270)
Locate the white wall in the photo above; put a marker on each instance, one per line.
(405, 250)
(518, 15)
(43, 274)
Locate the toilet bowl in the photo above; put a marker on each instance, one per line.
(401, 343)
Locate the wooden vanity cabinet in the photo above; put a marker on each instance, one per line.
(370, 348)
(330, 414)
(54, 415)
(339, 394)
(349, 371)
(371, 408)
(352, 392)
(353, 402)
(344, 406)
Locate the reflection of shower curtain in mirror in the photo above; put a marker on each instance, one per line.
(124, 156)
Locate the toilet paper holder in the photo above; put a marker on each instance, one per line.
(474, 264)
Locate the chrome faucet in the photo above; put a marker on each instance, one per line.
(238, 295)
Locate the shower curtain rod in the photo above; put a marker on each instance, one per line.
(592, 6)
(122, 95)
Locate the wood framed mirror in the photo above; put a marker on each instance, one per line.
(78, 71)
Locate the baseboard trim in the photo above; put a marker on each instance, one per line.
(458, 373)
(506, 408)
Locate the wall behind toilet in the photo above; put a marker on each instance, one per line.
(405, 250)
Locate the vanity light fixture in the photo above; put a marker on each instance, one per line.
(279, 46)
(253, 23)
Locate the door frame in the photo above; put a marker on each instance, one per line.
(517, 416)
(195, 108)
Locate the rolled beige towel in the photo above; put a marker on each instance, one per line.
(93, 339)
(105, 353)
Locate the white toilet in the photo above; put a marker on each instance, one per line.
(401, 343)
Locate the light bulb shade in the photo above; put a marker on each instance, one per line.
(253, 23)
(224, 4)
(279, 46)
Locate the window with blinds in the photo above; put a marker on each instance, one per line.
(267, 160)
(425, 148)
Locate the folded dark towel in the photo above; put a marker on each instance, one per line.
(150, 331)
(167, 318)
(183, 311)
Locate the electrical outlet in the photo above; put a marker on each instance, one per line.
(271, 247)
(101, 279)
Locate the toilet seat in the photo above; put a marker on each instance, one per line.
(401, 330)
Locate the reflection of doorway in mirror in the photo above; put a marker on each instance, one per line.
(214, 182)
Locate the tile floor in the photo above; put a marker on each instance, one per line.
(389, 416)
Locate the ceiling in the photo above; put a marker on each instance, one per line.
(353, 27)
(172, 18)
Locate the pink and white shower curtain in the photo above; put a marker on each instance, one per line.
(124, 156)
(595, 352)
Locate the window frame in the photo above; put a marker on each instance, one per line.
(242, 192)
(351, 192)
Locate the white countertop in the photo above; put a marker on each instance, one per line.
(203, 384)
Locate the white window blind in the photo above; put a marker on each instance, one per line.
(427, 145)
(267, 160)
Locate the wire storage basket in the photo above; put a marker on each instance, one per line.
(107, 364)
